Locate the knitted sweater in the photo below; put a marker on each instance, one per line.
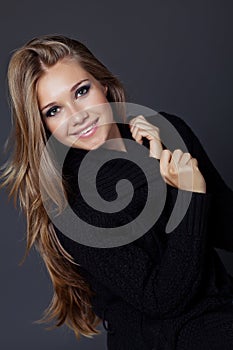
(148, 289)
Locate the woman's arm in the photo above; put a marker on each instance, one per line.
(221, 214)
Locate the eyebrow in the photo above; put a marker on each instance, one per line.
(71, 90)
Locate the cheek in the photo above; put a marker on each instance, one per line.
(56, 127)
(104, 111)
(98, 97)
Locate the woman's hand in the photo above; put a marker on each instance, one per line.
(180, 170)
(139, 128)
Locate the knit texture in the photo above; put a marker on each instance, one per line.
(149, 291)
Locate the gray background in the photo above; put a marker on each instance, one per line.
(174, 56)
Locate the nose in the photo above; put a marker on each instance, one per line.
(78, 118)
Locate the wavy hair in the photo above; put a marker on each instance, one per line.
(71, 301)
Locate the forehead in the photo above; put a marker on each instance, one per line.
(63, 71)
(60, 78)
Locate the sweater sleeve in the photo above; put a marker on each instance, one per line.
(161, 291)
(221, 214)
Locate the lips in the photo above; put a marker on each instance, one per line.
(85, 127)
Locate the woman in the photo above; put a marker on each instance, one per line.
(157, 291)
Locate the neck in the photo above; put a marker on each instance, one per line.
(115, 140)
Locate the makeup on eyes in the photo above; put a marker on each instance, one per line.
(86, 87)
(54, 109)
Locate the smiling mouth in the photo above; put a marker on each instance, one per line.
(86, 130)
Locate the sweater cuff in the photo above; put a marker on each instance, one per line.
(190, 212)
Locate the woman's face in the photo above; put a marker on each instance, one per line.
(71, 100)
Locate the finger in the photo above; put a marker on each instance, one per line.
(194, 163)
(176, 155)
(175, 160)
(140, 117)
(144, 125)
(155, 142)
(137, 118)
(139, 128)
(136, 134)
(138, 121)
(149, 133)
(165, 161)
(156, 148)
(185, 158)
(133, 127)
(137, 124)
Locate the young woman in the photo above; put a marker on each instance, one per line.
(155, 291)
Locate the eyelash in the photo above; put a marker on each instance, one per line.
(55, 109)
(52, 111)
(84, 87)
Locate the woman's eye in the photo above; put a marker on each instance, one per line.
(52, 111)
(83, 90)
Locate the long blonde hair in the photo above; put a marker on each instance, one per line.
(20, 174)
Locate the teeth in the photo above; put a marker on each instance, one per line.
(87, 129)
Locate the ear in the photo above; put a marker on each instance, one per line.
(105, 89)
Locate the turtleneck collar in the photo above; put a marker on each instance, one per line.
(62, 151)
(125, 134)
(109, 165)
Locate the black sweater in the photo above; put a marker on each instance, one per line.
(148, 289)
